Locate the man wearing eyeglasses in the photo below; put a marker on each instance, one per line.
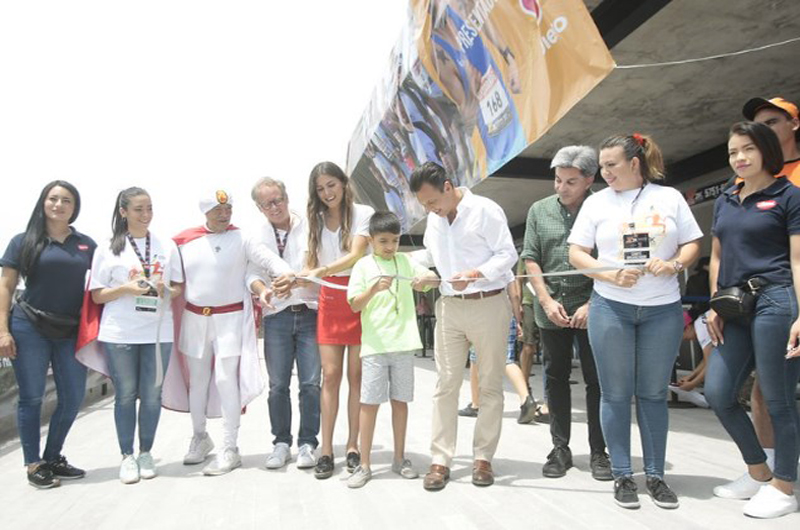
(290, 329)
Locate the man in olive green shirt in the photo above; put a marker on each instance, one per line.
(561, 308)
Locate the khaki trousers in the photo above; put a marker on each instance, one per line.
(484, 324)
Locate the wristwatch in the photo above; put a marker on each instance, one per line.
(678, 266)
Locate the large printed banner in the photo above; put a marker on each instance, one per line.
(471, 83)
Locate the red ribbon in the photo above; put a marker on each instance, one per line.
(639, 139)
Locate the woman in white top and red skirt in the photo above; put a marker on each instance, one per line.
(337, 238)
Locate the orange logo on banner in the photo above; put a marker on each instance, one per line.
(532, 8)
(222, 197)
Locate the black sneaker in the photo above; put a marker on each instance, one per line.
(64, 470)
(601, 466)
(42, 478)
(353, 461)
(469, 411)
(527, 411)
(625, 492)
(324, 467)
(662, 495)
(558, 462)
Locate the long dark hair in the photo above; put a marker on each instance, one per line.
(36, 232)
(119, 224)
(316, 207)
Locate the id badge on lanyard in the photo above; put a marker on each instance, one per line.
(636, 246)
(147, 302)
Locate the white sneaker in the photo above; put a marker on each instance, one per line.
(225, 462)
(199, 448)
(305, 457)
(147, 467)
(404, 468)
(280, 455)
(742, 488)
(769, 502)
(129, 470)
(359, 478)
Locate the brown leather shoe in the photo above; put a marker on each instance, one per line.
(437, 478)
(482, 474)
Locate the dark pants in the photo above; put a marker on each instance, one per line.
(290, 338)
(760, 344)
(35, 354)
(557, 345)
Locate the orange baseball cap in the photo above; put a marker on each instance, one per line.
(752, 107)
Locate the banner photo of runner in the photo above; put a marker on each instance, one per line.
(470, 84)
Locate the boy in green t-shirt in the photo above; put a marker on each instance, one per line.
(381, 289)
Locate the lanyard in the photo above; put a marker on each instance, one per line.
(633, 202)
(396, 292)
(146, 260)
(281, 244)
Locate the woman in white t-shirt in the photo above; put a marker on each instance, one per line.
(647, 233)
(134, 277)
(337, 238)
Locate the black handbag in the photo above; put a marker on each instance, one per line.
(50, 325)
(737, 303)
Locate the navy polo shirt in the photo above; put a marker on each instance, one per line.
(754, 233)
(57, 281)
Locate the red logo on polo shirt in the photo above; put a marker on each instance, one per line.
(766, 205)
(83, 247)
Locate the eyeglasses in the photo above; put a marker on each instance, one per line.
(277, 203)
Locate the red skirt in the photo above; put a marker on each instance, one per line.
(336, 322)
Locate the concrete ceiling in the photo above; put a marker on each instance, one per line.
(686, 108)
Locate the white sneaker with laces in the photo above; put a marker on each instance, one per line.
(769, 503)
(129, 470)
(306, 458)
(199, 448)
(225, 462)
(279, 456)
(742, 488)
(404, 469)
(147, 467)
(359, 478)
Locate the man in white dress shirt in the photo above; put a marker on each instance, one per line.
(218, 329)
(290, 330)
(467, 239)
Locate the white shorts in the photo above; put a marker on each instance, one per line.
(387, 376)
(701, 330)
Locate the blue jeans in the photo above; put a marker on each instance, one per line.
(760, 344)
(291, 337)
(133, 371)
(634, 349)
(35, 354)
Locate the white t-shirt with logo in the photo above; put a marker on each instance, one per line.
(661, 220)
(130, 319)
(330, 246)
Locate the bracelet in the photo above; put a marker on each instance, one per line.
(505, 53)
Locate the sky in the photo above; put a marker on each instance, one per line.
(181, 98)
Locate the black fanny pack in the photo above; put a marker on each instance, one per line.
(737, 303)
(50, 325)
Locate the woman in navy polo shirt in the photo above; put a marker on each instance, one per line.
(757, 235)
(53, 259)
